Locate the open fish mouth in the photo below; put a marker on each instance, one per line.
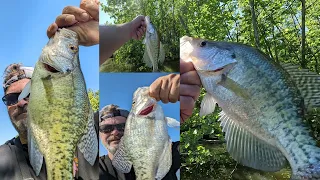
(219, 69)
(147, 110)
(50, 68)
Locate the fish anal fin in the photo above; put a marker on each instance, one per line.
(161, 54)
(248, 149)
(35, 156)
(88, 144)
(146, 59)
(165, 161)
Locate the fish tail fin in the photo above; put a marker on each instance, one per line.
(311, 170)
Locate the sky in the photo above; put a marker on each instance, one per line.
(23, 35)
(118, 89)
(104, 17)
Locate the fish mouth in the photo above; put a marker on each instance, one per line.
(50, 68)
(147, 110)
(222, 69)
(219, 69)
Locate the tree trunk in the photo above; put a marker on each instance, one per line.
(254, 23)
(303, 38)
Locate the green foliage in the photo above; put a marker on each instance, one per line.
(94, 99)
(279, 30)
(162, 14)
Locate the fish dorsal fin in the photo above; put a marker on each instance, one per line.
(208, 105)
(307, 82)
(26, 91)
(120, 160)
(88, 144)
(248, 149)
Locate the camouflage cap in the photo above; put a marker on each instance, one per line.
(15, 72)
(112, 111)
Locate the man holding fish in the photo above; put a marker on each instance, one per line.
(112, 128)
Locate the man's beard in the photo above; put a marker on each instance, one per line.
(114, 148)
(19, 120)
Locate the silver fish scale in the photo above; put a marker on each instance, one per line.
(274, 110)
(145, 138)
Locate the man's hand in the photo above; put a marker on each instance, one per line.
(189, 89)
(166, 88)
(84, 21)
(137, 27)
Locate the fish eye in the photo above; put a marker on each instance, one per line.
(73, 48)
(203, 43)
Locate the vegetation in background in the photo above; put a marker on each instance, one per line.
(163, 16)
(287, 31)
(94, 99)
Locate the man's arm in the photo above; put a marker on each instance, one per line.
(112, 37)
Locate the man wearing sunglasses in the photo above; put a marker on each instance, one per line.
(14, 158)
(112, 121)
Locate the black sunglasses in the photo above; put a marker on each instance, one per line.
(12, 98)
(107, 128)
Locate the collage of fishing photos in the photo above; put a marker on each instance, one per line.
(184, 89)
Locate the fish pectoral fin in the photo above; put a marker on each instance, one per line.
(146, 59)
(234, 87)
(165, 161)
(307, 82)
(120, 160)
(26, 91)
(208, 105)
(248, 149)
(88, 144)
(35, 156)
(162, 54)
(171, 122)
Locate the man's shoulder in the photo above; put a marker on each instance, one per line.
(6, 150)
(7, 159)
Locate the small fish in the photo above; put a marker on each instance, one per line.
(145, 144)
(60, 117)
(154, 53)
(263, 105)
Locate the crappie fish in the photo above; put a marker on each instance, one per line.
(60, 117)
(154, 52)
(145, 144)
(263, 105)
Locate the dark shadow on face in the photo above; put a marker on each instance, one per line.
(18, 112)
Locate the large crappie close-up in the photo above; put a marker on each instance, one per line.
(263, 105)
(145, 144)
(60, 117)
